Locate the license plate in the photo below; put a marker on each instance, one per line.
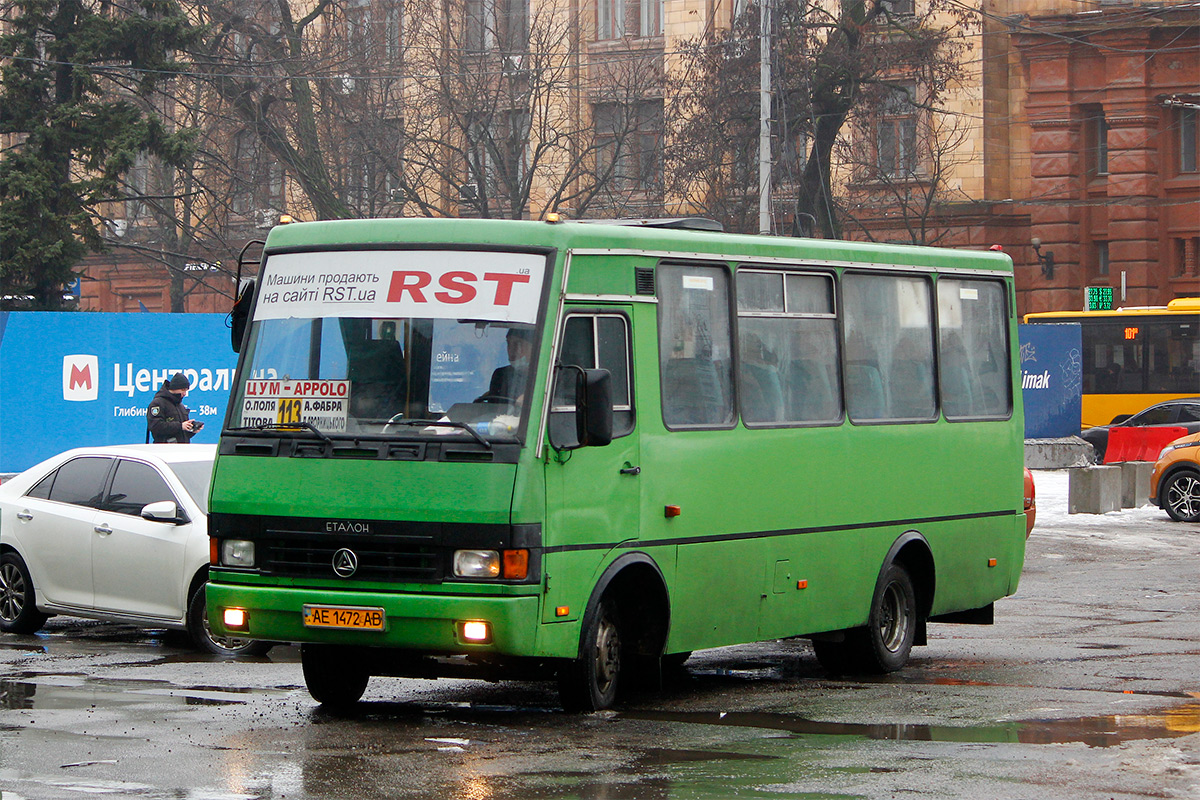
(361, 619)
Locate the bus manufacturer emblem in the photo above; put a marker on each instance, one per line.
(345, 562)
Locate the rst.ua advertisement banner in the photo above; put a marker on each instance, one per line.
(1051, 379)
(78, 379)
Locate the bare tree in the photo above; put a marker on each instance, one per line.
(901, 182)
(500, 111)
(828, 57)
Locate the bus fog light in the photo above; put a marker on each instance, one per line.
(476, 564)
(237, 553)
(475, 631)
(236, 619)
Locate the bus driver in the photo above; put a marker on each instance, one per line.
(508, 382)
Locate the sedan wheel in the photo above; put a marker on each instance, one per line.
(18, 604)
(1182, 497)
(208, 642)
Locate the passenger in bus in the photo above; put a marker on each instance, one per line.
(762, 391)
(508, 382)
(376, 368)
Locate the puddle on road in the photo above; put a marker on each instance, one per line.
(1100, 731)
(70, 692)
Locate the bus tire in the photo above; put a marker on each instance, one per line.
(1181, 497)
(886, 642)
(18, 601)
(334, 680)
(590, 682)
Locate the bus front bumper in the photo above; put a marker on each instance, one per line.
(435, 623)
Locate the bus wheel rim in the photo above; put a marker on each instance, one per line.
(893, 618)
(608, 655)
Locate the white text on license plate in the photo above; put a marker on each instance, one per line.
(366, 619)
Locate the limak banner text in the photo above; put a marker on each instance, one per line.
(431, 284)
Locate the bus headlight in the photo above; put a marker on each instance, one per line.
(476, 564)
(511, 565)
(237, 553)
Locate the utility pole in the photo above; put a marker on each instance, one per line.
(764, 119)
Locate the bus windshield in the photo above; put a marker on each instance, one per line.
(331, 348)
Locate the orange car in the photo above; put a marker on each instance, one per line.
(1030, 503)
(1175, 482)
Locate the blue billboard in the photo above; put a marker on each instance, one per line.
(1051, 379)
(76, 379)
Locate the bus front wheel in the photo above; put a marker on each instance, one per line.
(333, 679)
(886, 642)
(590, 682)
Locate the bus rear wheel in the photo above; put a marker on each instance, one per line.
(885, 643)
(333, 679)
(590, 682)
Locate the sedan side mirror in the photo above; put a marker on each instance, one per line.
(163, 511)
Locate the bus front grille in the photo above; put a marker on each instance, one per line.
(374, 561)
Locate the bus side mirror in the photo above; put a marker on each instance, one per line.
(239, 315)
(589, 393)
(594, 411)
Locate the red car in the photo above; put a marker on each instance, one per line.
(1030, 502)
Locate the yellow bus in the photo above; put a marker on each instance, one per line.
(1135, 357)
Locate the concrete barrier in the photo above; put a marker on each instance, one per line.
(1135, 483)
(1069, 451)
(1094, 490)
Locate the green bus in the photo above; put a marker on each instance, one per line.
(581, 451)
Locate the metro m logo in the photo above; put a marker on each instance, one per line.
(81, 377)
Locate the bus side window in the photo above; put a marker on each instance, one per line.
(889, 344)
(596, 341)
(695, 346)
(787, 335)
(973, 349)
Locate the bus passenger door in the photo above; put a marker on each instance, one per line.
(592, 493)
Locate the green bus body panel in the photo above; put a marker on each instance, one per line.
(414, 622)
(782, 532)
(418, 491)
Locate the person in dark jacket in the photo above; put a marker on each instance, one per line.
(167, 416)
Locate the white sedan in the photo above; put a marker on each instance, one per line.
(111, 533)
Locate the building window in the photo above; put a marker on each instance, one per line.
(393, 23)
(616, 19)
(1189, 139)
(1097, 141)
(896, 134)
(898, 8)
(629, 143)
(497, 155)
(493, 24)
(1101, 258)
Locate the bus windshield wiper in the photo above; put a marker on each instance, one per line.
(444, 423)
(285, 426)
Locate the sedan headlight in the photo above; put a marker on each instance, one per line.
(1171, 447)
(237, 553)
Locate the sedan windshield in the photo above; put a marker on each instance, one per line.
(330, 352)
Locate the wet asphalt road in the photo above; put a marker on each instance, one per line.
(1088, 686)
